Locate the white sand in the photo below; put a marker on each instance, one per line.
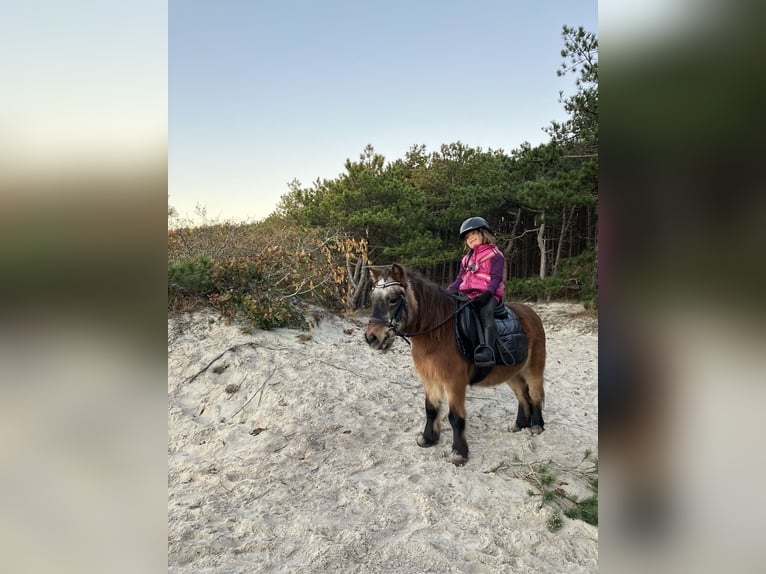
(300, 456)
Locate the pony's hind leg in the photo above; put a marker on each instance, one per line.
(529, 392)
(523, 414)
(536, 394)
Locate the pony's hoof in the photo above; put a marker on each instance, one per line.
(537, 429)
(515, 428)
(425, 443)
(458, 459)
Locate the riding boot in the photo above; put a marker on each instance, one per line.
(484, 354)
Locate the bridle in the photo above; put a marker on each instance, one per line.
(401, 307)
(396, 316)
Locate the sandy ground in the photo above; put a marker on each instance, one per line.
(294, 451)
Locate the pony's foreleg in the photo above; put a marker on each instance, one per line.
(430, 434)
(456, 398)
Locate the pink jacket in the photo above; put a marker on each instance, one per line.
(482, 269)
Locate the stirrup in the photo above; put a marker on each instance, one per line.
(486, 362)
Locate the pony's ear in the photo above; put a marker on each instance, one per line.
(398, 273)
(374, 274)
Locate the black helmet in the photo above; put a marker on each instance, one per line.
(474, 223)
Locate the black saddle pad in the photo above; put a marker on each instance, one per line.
(511, 346)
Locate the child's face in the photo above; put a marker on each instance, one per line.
(473, 238)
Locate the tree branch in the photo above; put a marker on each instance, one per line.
(274, 370)
(210, 364)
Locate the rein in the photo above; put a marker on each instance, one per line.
(401, 306)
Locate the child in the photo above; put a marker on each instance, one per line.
(481, 278)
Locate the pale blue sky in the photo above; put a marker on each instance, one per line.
(261, 92)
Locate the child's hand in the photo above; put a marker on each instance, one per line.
(482, 299)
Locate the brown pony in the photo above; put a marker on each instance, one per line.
(405, 304)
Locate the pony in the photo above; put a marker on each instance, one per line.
(405, 304)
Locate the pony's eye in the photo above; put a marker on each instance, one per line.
(393, 300)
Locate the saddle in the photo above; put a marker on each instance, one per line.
(510, 347)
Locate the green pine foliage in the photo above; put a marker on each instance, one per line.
(191, 277)
(548, 480)
(586, 510)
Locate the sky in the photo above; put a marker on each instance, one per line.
(85, 86)
(262, 92)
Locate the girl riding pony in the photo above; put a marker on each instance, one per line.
(481, 279)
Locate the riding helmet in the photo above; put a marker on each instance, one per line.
(474, 223)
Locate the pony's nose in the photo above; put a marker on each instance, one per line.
(370, 338)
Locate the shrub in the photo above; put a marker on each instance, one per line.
(236, 275)
(265, 273)
(269, 312)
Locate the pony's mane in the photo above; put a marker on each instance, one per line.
(426, 286)
(434, 302)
